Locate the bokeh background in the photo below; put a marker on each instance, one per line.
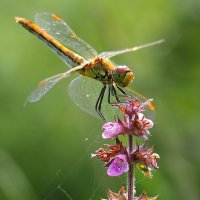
(45, 147)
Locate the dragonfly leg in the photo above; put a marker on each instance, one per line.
(124, 94)
(112, 91)
(109, 91)
(99, 103)
(121, 90)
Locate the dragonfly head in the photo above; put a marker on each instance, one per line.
(123, 76)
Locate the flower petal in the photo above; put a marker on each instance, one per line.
(112, 129)
(118, 166)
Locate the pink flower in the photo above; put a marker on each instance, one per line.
(140, 126)
(132, 107)
(112, 129)
(134, 121)
(146, 159)
(118, 166)
(137, 125)
(107, 155)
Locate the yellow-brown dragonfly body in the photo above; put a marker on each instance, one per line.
(77, 54)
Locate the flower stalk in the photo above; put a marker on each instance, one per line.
(120, 158)
(131, 178)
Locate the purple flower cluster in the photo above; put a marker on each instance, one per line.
(117, 157)
(134, 121)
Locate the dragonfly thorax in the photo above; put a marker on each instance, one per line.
(99, 69)
(107, 73)
(123, 76)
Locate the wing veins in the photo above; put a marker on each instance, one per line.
(62, 32)
(111, 54)
(45, 85)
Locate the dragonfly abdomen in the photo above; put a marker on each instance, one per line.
(65, 53)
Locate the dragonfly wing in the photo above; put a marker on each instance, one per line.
(60, 31)
(68, 56)
(84, 93)
(45, 85)
(111, 54)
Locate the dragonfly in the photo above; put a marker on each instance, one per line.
(82, 59)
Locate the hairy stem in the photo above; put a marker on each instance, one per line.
(131, 178)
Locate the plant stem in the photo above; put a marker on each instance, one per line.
(131, 178)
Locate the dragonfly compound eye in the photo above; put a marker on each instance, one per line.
(123, 76)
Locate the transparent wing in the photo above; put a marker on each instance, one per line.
(84, 93)
(45, 85)
(111, 54)
(60, 31)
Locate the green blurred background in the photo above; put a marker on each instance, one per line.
(45, 147)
